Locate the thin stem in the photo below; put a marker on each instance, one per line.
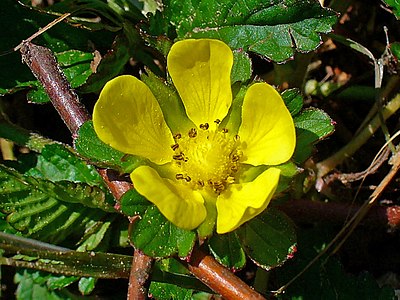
(327, 165)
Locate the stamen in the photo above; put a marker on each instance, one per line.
(192, 133)
(179, 176)
(188, 179)
(177, 136)
(178, 156)
(236, 138)
(224, 130)
(217, 121)
(174, 147)
(204, 126)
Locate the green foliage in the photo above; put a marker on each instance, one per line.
(153, 233)
(274, 244)
(34, 285)
(227, 250)
(266, 28)
(91, 147)
(311, 125)
(63, 39)
(166, 291)
(47, 210)
(395, 5)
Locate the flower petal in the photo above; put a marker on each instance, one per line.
(200, 70)
(129, 119)
(267, 129)
(242, 202)
(178, 203)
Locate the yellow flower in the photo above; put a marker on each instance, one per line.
(218, 160)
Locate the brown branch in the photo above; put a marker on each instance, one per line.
(44, 66)
(218, 278)
(307, 211)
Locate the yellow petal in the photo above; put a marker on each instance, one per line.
(200, 70)
(267, 129)
(129, 119)
(242, 202)
(177, 202)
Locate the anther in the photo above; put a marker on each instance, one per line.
(188, 179)
(174, 147)
(225, 130)
(204, 126)
(200, 182)
(177, 136)
(179, 176)
(178, 156)
(236, 138)
(235, 157)
(192, 133)
(217, 121)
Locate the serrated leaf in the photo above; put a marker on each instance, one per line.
(91, 147)
(153, 233)
(86, 285)
(47, 210)
(166, 291)
(311, 125)
(293, 100)
(267, 28)
(57, 163)
(269, 239)
(227, 250)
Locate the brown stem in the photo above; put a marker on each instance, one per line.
(219, 278)
(44, 66)
(307, 211)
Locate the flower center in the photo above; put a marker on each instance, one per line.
(206, 158)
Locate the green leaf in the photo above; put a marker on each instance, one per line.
(57, 163)
(32, 286)
(153, 233)
(166, 291)
(92, 148)
(133, 204)
(395, 5)
(157, 237)
(293, 100)
(227, 250)
(288, 171)
(242, 68)
(47, 210)
(86, 285)
(269, 239)
(59, 39)
(267, 28)
(311, 125)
